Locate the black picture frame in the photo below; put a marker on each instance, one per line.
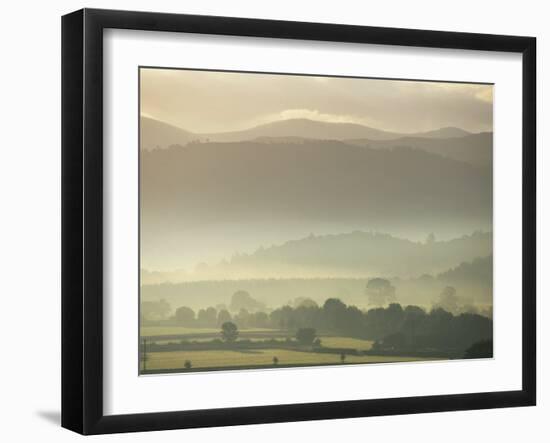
(82, 220)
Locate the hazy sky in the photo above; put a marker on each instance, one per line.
(207, 102)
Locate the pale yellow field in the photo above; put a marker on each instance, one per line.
(346, 342)
(256, 357)
(328, 342)
(152, 331)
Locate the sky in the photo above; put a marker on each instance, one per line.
(210, 102)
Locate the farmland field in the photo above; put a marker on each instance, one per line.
(168, 334)
(346, 342)
(153, 331)
(257, 357)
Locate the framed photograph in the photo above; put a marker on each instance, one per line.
(269, 221)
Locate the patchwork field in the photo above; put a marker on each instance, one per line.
(184, 332)
(254, 358)
(250, 353)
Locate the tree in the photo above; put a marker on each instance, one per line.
(305, 302)
(275, 361)
(207, 317)
(259, 320)
(242, 319)
(187, 364)
(380, 322)
(282, 318)
(380, 292)
(305, 336)
(414, 322)
(229, 332)
(243, 300)
(223, 316)
(449, 301)
(480, 349)
(185, 316)
(334, 313)
(342, 357)
(154, 310)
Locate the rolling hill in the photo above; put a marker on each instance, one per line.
(317, 180)
(352, 255)
(355, 254)
(476, 149)
(156, 134)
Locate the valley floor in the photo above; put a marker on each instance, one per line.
(253, 357)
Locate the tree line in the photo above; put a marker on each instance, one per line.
(392, 328)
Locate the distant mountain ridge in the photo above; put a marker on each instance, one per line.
(302, 127)
(475, 149)
(158, 134)
(446, 132)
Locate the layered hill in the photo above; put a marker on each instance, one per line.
(475, 149)
(155, 134)
(356, 255)
(327, 180)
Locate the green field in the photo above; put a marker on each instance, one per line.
(252, 357)
(168, 334)
(257, 357)
(153, 331)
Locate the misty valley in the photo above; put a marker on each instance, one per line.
(304, 321)
(293, 221)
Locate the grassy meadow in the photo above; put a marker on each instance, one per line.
(256, 357)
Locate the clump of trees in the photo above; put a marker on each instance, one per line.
(229, 332)
(306, 336)
(416, 330)
(480, 349)
(392, 328)
(451, 302)
(185, 316)
(212, 318)
(244, 311)
(207, 317)
(154, 310)
(243, 300)
(380, 292)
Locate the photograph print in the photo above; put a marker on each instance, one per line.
(305, 220)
